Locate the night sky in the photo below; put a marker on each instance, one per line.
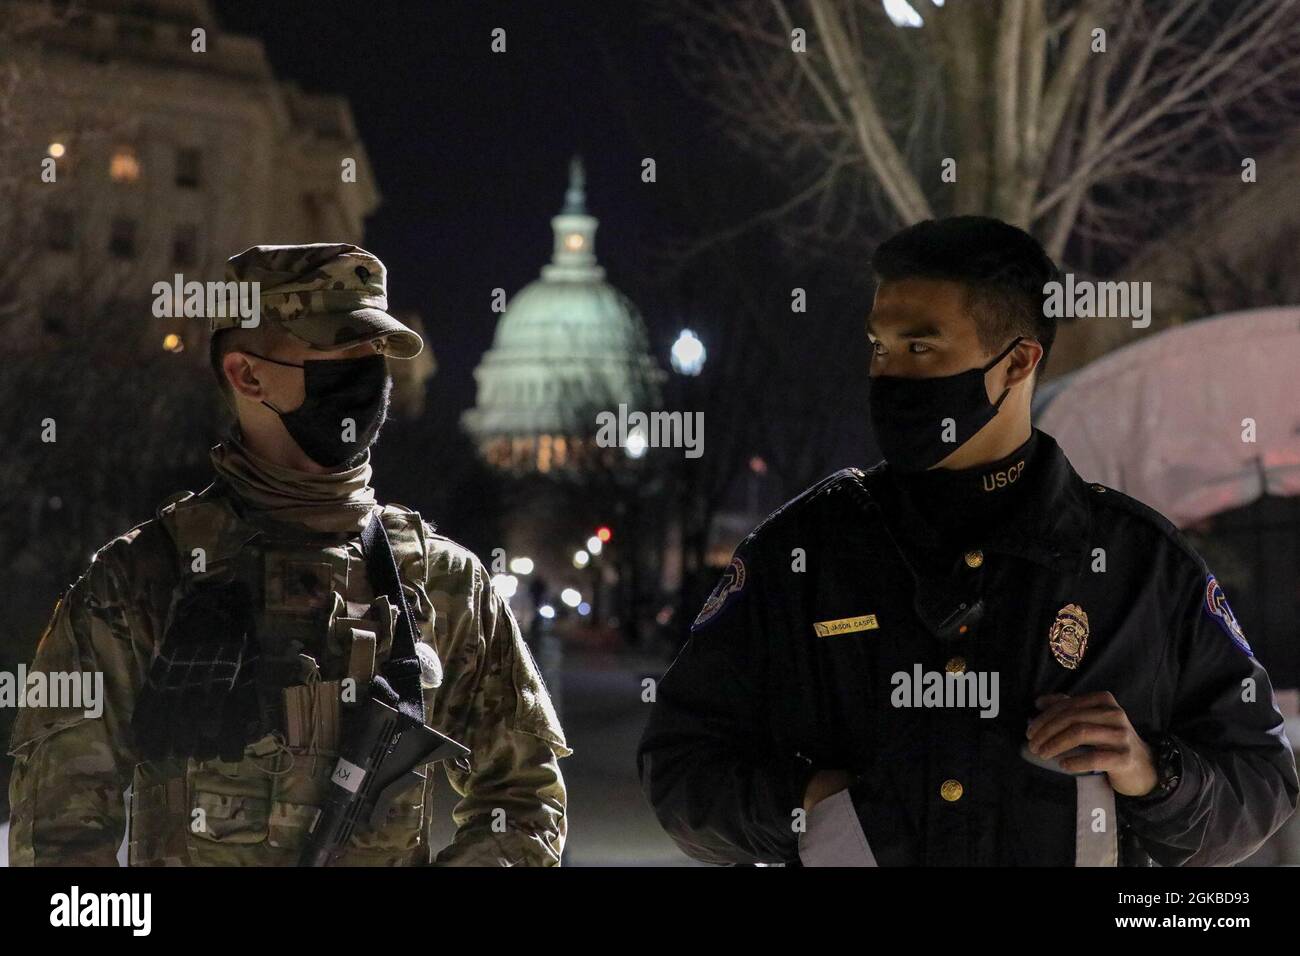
(470, 149)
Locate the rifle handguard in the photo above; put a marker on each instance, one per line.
(376, 762)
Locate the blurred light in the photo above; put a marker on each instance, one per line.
(573, 241)
(57, 150)
(522, 565)
(124, 167)
(584, 608)
(902, 13)
(757, 465)
(581, 559)
(173, 343)
(593, 544)
(571, 597)
(603, 533)
(636, 444)
(506, 585)
(688, 354)
(546, 611)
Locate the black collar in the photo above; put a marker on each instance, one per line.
(1049, 527)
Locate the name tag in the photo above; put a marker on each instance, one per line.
(845, 625)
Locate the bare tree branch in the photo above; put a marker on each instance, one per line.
(1043, 128)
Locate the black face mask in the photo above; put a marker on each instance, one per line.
(336, 390)
(910, 415)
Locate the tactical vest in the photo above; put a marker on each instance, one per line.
(321, 632)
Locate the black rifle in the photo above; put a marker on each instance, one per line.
(386, 743)
(382, 755)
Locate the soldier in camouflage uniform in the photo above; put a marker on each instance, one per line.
(280, 527)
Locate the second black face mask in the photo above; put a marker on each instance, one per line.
(337, 390)
(910, 416)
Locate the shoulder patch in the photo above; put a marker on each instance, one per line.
(731, 584)
(1216, 606)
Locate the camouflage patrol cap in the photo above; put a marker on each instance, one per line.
(329, 294)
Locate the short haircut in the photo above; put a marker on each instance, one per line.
(1003, 269)
(261, 338)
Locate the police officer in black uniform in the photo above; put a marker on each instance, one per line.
(966, 655)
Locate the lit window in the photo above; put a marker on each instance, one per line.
(124, 167)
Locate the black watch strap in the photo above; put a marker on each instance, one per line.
(1169, 768)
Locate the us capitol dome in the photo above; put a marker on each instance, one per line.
(569, 346)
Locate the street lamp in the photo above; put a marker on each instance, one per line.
(505, 584)
(688, 357)
(688, 354)
(903, 14)
(636, 444)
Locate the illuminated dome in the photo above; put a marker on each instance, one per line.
(569, 346)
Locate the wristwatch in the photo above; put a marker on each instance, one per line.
(1169, 768)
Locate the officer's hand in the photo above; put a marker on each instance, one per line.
(1099, 722)
(823, 784)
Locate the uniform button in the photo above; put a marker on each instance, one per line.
(956, 666)
(974, 559)
(951, 790)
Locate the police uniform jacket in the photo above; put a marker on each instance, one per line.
(811, 651)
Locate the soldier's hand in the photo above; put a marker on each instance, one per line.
(823, 784)
(1096, 721)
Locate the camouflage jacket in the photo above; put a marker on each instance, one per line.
(71, 769)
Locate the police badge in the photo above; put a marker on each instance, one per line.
(1069, 636)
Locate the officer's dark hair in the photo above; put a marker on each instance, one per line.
(1003, 269)
(261, 338)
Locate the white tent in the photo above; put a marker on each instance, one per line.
(1196, 420)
